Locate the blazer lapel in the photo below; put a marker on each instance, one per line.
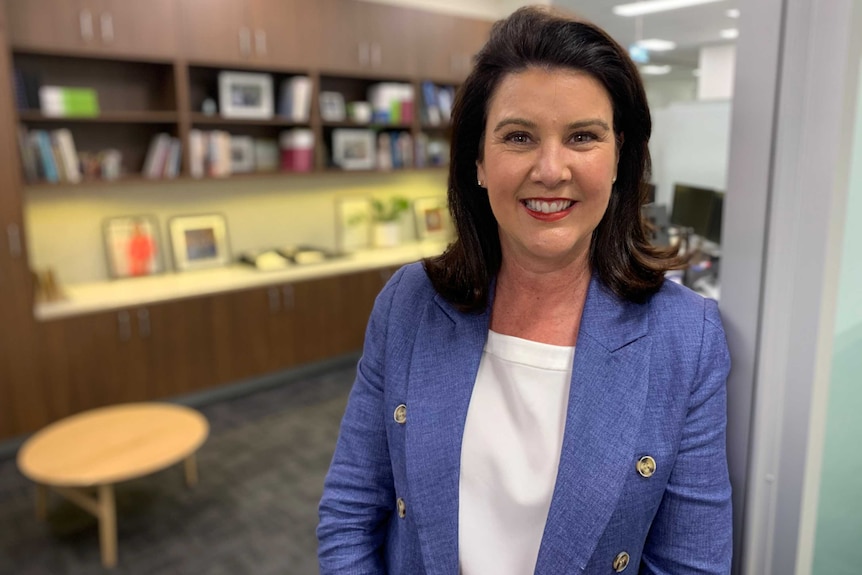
(443, 370)
(606, 404)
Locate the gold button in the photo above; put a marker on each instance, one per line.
(402, 508)
(646, 466)
(401, 414)
(621, 561)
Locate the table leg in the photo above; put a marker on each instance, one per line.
(191, 468)
(107, 525)
(41, 501)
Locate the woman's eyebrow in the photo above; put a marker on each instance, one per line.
(589, 123)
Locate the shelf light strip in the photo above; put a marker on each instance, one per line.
(653, 6)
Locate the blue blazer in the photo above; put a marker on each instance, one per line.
(647, 379)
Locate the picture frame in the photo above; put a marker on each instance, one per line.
(432, 218)
(199, 242)
(332, 108)
(132, 246)
(354, 149)
(246, 95)
(353, 219)
(242, 154)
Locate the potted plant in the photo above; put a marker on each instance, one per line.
(386, 215)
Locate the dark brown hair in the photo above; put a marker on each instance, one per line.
(620, 253)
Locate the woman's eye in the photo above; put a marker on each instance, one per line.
(583, 137)
(518, 138)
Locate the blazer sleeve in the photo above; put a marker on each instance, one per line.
(358, 493)
(692, 530)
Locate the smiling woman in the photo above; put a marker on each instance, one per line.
(538, 399)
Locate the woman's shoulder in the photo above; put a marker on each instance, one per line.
(676, 305)
(408, 286)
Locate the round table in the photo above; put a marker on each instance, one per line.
(98, 448)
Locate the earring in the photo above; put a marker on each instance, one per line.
(480, 183)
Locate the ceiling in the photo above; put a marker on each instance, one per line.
(691, 28)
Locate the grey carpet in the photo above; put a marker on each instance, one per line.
(253, 512)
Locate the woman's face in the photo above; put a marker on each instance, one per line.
(549, 162)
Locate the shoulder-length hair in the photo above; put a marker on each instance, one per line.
(620, 253)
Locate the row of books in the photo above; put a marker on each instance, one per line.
(437, 103)
(398, 150)
(164, 157)
(49, 156)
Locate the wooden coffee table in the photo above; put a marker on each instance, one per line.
(91, 451)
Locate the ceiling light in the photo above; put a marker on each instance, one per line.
(653, 70)
(733, 13)
(653, 6)
(730, 34)
(657, 45)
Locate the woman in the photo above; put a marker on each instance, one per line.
(538, 399)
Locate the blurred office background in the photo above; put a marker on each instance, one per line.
(757, 168)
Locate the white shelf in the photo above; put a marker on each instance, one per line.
(134, 292)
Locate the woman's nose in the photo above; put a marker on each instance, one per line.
(551, 167)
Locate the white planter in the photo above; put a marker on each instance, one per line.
(387, 234)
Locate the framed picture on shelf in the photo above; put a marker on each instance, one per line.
(432, 218)
(199, 241)
(242, 154)
(132, 246)
(332, 107)
(352, 224)
(353, 149)
(245, 95)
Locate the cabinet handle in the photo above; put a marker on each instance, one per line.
(363, 54)
(288, 296)
(13, 232)
(260, 42)
(245, 41)
(144, 322)
(124, 326)
(107, 23)
(376, 55)
(274, 303)
(86, 20)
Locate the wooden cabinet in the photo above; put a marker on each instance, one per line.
(110, 27)
(446, 45)
(366, 38)
(136, 354)
(272, 33)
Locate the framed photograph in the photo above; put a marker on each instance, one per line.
(354, 149)
(199, 241)
(241, 154)
(245, 95)
(352, 224)
(432, 218)
(332, 107)
(132, 246)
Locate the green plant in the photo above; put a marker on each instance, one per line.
(389, 209)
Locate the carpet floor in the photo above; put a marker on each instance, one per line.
(254, 511)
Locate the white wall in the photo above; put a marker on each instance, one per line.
(662, 92)
(690, 145)
(489, 9)
(717, 66)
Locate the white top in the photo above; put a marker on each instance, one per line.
(510, 453)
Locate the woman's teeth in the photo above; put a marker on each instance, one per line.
(548, 207)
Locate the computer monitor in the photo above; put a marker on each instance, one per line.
(713, 228)
(692, 208)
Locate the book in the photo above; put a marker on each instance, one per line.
(431, 109)
(46, 156)
(29, 160)
(197, 153)
(60, 101)
(156, 156)
(294, 101)
(173, 159)
(67, 155)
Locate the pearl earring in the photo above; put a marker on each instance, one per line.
(479, 182)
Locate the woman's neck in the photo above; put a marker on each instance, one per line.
(543, 305)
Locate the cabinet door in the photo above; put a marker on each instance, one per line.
(48, 24)
(216, 30)
(435, 50)
(389, 32)
(342, 47)
(22, 398)
(470, 35)
(180, 347)
(282, 32)
(134, 28)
